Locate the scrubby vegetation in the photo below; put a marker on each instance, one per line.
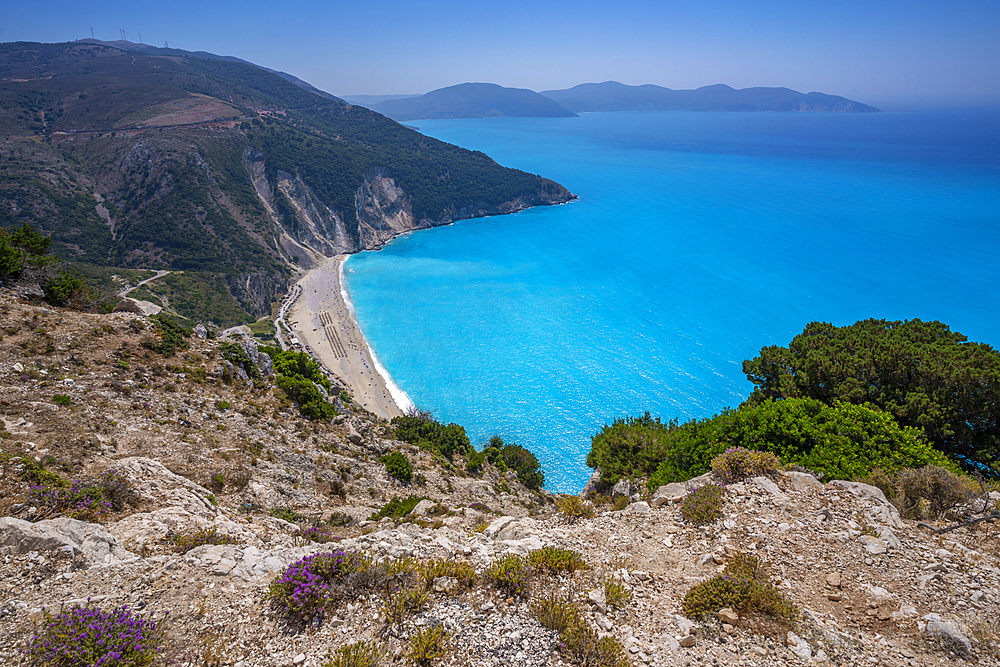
(578, 640)
(426, 433)
(742, 586)
(84, 499)
(397, 465)
(397, 508)
(300, 377)
(185, 542)
(514, 457)
(704, 504)
(89, 636)
(839, 401)
(738, 463)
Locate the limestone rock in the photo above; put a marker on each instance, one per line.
(91, 540)
(834, 579)
(802, 481)
(669, 493)
(946, 632)
(200, 331)
(598, 599)
(727, 615)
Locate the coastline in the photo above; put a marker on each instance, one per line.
(323, 319)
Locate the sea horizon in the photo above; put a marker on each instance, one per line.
(724, 233)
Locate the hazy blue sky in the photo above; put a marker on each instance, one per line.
(882, 52)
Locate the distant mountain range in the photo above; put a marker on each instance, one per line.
(472, 100)
(486, 100)
(614, 96)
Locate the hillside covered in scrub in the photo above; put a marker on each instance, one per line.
(185, 500)
(230, 173)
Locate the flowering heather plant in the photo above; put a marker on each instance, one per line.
(510, 574)
(90, 637)
(84, 499)
(188, 541)
(704, 504)
(307, 586)
(738, 463)
(319, 534)
(742, 586)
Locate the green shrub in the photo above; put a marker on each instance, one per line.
(925, 375)
(460, 570)
(842, 441)
(427, 645)
(620, 503)
(574, 507)
(311, 403)
(397, 508)
(556, 559)
(358, 654)
(742, 586)
(286, 514)
(237, 356)
(704, 504)
(34, 472)
(62, 399)
(514, 457)
(398, 466)
(631, 447)
(474, 466)
(933, 491)
(616, 594)
(578, 641)
(172, 334)
(185, 542)
(510, 574)
(738, 463)
(424, 432)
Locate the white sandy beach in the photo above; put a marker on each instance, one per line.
(321, 319)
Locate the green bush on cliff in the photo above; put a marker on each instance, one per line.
(842, 441)
(517, 458)
(922, 373)
(426, 433)
(298, 375)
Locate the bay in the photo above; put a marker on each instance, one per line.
(697, 239)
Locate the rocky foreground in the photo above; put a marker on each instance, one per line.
(204, 449)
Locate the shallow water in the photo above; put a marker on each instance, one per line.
(697, 239)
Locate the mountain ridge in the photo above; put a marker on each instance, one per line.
(473, 100)
(615, 96)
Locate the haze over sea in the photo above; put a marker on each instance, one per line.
(697, 239)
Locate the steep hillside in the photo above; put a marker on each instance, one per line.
(614, 96)
(473, 100)
(219, 168)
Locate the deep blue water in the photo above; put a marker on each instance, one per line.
(697, 239)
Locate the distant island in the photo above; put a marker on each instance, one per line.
(614, 96)
(473, 100)
(487, 100)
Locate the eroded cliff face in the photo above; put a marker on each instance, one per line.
(314, 225)
(383, 211)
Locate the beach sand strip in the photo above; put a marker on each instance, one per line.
(322, 321)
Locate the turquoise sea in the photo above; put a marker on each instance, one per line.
(697, 239)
